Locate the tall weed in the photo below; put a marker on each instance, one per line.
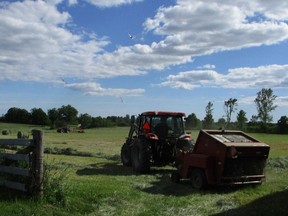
(55, 188)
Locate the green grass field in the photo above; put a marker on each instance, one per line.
(98, 184)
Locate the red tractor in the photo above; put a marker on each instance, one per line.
(153, 140)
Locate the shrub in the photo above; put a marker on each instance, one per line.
(5, 132)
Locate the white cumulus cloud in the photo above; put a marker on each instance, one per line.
(39, 42)
(110, 3)
(201, 27)
(270, 76)
(92, 88)
(207, 66)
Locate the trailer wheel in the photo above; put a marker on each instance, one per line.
(198, 179)
(141, 155)
(126, 155)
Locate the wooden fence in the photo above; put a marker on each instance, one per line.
(21, 163)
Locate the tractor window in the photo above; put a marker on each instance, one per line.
(155, 121)
(176, 125)
(173, 123)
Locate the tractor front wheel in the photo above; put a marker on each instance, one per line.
(126, 154)
(141, 155)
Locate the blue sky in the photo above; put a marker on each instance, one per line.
(182, 54)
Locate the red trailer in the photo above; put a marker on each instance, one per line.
(222, 157)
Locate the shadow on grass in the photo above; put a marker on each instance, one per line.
(273, 204)
(164, 186)
(113, 169)
(7, 194)
(162, 183)
(116, 169)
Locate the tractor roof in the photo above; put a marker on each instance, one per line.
(163, 113)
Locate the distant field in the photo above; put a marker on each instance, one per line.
(278, 143)
(98, 184)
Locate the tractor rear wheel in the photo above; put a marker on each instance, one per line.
(126, 154)
(141, 155)
(198, 179)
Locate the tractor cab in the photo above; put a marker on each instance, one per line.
(162, 124)
(158, 134)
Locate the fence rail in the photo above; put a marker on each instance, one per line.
(11, 164)
(16, 142)
(15, 157)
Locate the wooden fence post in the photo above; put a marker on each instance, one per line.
(37, 163)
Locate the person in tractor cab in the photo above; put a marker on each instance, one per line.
(161, 129)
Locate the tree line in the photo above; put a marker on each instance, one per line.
(61, 117)
(262, 122)
(68, 115)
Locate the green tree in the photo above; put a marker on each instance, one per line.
(208, 119)
(230, 107)
(67, 115)
(254, 119)
(127, 120)
(17, 115)
(192, 121)
(241, 120)
(221, 123)
(53, 117)
(265, 105)
(99, 122)
(282, 125)
(85, 120)
(39, 117)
